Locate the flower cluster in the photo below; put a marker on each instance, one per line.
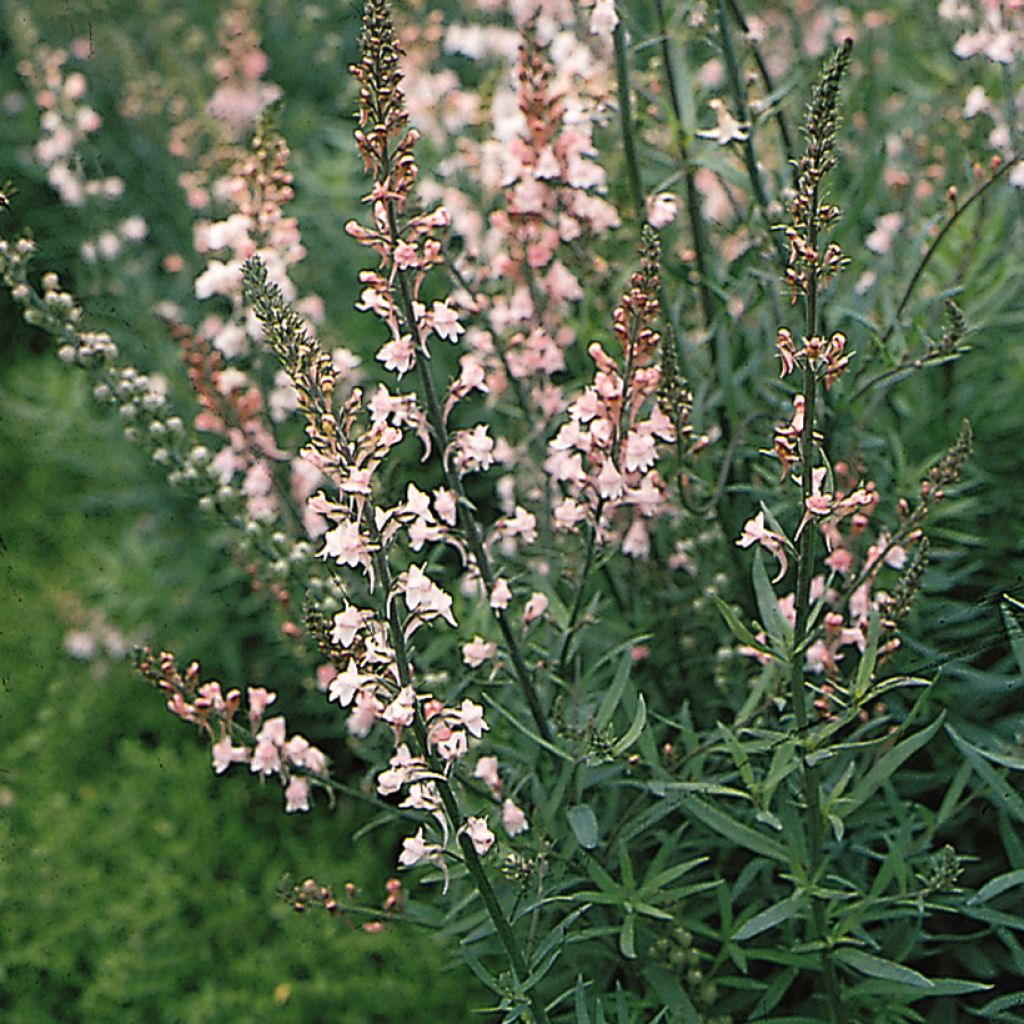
(262, 743)
(605, 455)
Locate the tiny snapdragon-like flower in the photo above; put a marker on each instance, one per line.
(754, 532)
(480, 834)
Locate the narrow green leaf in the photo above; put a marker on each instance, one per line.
(1000, 790)
(733, 830)
(633, 732)
(996, 886)
(774, 915)
(740, 631)
(779, 630)
(867, 660)
(1013, 628)
(665, 878)
(583, 823)
(996, 1007)
(887, 764)
(878, 967)
(615, 691)
(627, 937)
(580, 1002)
(526, 730)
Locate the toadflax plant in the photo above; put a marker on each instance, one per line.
(461, 540)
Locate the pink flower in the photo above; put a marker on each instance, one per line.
(477, 651)
(480, 834)
(366, 711)
(347, 623)
(453, 746)
(639, 454)
(535, 607)
(487, 769)
(513, 819)
(445, 322)
(224, 755)
(471, 717)
(501, 594)
(568, 513)
(345, 545)
(416, 848)
(402, 710)
(754, 532)
(296, 794)
(398, 355)
(603, 19)
(610, 484)
(662, 209)
(345, 685)
(259, 699)
(474, 449)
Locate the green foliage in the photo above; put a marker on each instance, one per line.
(719, 831)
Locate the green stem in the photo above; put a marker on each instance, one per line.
(769, 85)
(798, 692)
(470, 527)
(938, 239)
(694, 214)
(626, 118)
(743, 113)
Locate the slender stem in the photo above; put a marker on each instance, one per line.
(769, 85)
(804, 573)
(938, 239)
(626, 118)
(743, 113)
(470, 528)
(694, 214)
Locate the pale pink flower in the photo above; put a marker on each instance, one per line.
(445, 322)
(662, 209)
(501, 594)
(471, 717)
(225, 754)
(487, 769)
(522, 524)
(728, 128)
(345, 545)
(345, 685)
(603, 19)
(638, 452)
(513, 818)
(480, 834)
(453, 746)
(347, 623)
(445, 505)
(259, 699)
(398, 355)
(416, 848)
(366, 711)
(474, 449)
(477, 651)
(637, 542)
(610, 483)
(535, 607)
(266, 758)
(219, 279)
(296, 794)
(568, 513)
(402, 710)
(754, 532)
